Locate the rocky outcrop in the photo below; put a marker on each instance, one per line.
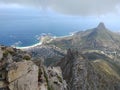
(19, 72)
(83, 73)
(56, 81)
(23, 76)
(16, 72)
(50, 78)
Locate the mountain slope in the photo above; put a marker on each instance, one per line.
(96, 38)
(83, 73)
(49, 53)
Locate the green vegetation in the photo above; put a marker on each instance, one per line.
(5, 53)
(106, 68)
(10, 50)
(26, 57)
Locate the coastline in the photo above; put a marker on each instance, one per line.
(27, 47)
(40, 43)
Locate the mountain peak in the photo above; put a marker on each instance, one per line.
(101, 26)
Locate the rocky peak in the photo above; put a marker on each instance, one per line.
(101, 26)
(81, 73)
(18, 71)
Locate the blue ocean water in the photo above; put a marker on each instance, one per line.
(22, 27)
(24, 31)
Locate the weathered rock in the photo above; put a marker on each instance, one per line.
(51, 78)
(15, 72)
(82, 74)
(19, 72)
(56, 81)
(23, 76)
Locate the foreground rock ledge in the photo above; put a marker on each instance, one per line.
(24, 76)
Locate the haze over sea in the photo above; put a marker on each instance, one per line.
(22, 27)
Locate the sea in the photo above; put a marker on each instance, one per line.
(25, 31)
(24, 28)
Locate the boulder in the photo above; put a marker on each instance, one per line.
(23, 76)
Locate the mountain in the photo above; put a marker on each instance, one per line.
(99, 39)
(92, 62)
(89, 71)
(89, 60)
(18, 71)
(96, 38)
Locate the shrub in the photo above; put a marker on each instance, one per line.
(26, 57)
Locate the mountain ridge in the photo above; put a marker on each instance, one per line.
(95, 38)
(81, 73)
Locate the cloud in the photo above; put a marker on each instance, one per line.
(73, 7)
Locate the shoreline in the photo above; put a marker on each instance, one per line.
(40, 43)
(27, 47)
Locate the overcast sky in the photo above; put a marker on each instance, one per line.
(70, 7)
(84, 11)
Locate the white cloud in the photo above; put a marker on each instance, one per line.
(74, 7)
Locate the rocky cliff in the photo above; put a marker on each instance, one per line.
(89, 71)
(19, 72)
(16, 72)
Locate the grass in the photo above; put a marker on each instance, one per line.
(105, 67)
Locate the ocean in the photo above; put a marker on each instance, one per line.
(24, 31)
(22, 28)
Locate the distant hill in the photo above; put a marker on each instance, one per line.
(96, 38)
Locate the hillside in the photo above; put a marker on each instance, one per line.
(89, 71)
(96, 38)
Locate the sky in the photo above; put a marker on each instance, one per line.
(107, 11)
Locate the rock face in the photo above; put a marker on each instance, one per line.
(56, 80)
(81, 73)
(19, 72)
(50, 78)
(23, 76)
